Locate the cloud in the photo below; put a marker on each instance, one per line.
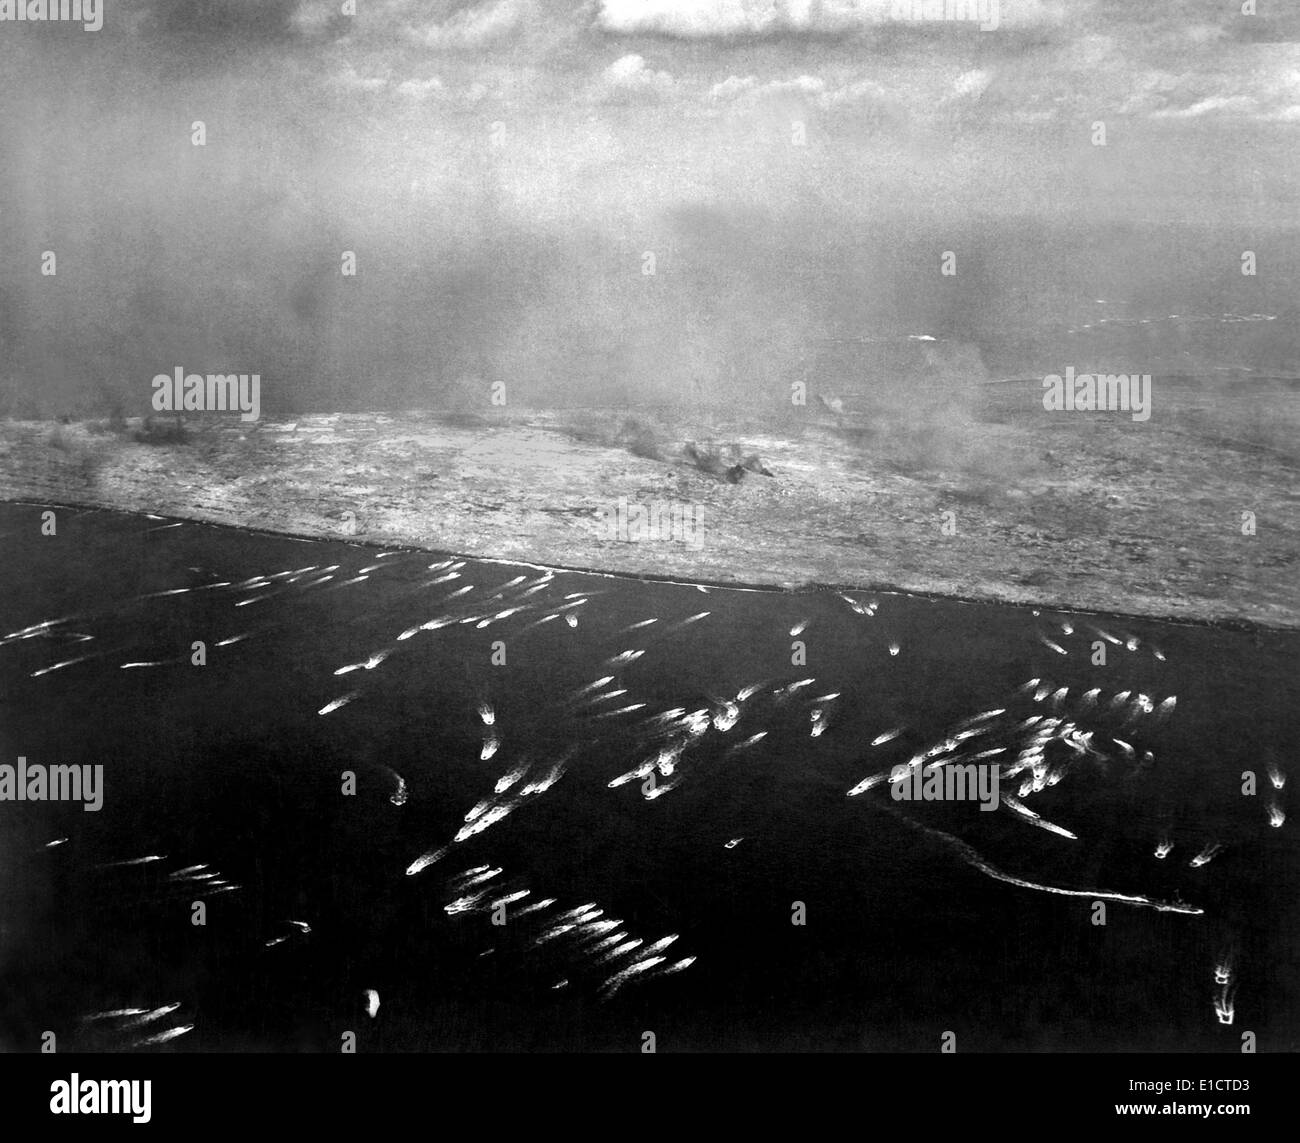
(421, 88)
(1187, 60)
(414, 91)
(697, 19)
(477, 26)
(349, 79)
(971, 84)
(748, 90)
(742, 92)
(629, 78)
(1227, 104)
(750, 19)
(317, 17)
(732, 88)
(855, 94)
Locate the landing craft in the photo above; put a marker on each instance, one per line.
(621, 710)
(625, 657)
(114, 1014)
(163, 1037)
(1205, 855)
(593, 686)
(858, 608)
(725, 716)
(423, 861)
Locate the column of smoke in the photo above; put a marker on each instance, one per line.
(236, 270)
(228, 258)
(221, 266)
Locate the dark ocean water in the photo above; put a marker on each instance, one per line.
(224, 785)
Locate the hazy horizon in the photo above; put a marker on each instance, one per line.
(501, 170)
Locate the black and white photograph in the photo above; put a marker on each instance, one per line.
(649, 527)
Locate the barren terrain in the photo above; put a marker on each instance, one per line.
(1069, 510)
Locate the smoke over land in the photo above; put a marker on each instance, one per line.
(590, 241)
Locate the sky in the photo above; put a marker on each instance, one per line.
(503, 169)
